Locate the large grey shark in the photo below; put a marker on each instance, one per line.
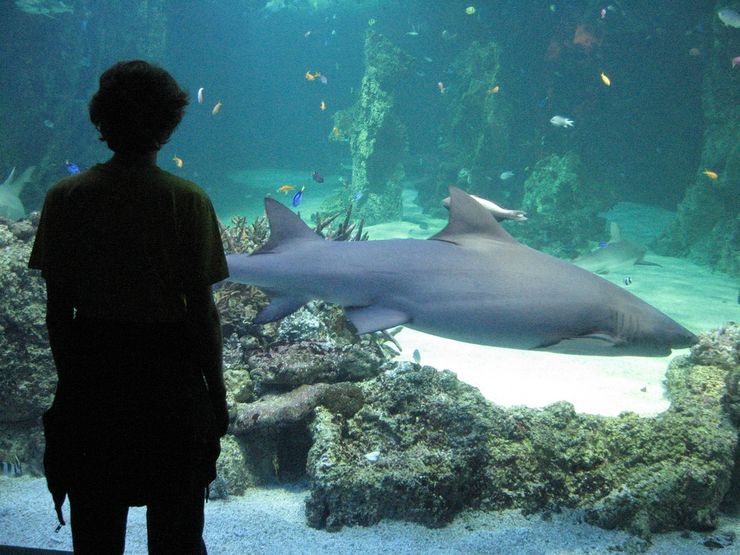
(471, 282)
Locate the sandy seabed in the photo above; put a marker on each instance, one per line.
(271, 521)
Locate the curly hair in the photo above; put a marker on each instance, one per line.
(137, 106)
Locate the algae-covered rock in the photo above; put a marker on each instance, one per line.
(425, 445)
(562, 207)
(306, 362)
(28, 377)
(378, 138)
(415, 451)
(474, 135)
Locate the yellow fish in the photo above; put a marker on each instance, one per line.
(710, 174)
(605, 79)
(470, 10)
(323, 106)
(177, 160)
(336, 132)
(216, 108)
(285, 189)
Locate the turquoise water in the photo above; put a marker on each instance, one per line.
(469, 101)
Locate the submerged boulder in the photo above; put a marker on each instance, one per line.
(425, 446)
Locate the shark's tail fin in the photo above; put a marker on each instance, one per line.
(285, 226)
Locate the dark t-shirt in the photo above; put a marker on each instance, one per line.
(128, 242)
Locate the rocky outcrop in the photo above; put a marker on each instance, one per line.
(474, 136)
(378, 139)
(425, 445)
(707, 226)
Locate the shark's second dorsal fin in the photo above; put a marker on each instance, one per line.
(284, 226)
(468, 217)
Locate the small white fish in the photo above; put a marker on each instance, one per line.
(372, 456)
(498, 212)
(200, 95)
(560, 121)
(729, 17)
(506, 175)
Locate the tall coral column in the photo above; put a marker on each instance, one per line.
(378, 139)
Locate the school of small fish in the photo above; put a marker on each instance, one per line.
(585, 37)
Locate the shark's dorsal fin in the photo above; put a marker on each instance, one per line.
(468, 217)
(284, 226)
(15, 185)
(9, 179)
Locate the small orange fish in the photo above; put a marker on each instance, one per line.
(216, 108)
(494, 90)
(285, 189)
(177, 160)
(323, 105)
(710, 174)
(336, 132)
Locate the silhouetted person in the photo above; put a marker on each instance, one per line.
(129, 253)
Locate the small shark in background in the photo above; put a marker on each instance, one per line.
(471, 282)
(618, 254)
(11, 206)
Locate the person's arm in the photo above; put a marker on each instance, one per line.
(206, 326)
(59, 317)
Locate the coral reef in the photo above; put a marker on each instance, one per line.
(474, 135)
(378, 139)
(707, 226)
(424, 446)
(563, 207)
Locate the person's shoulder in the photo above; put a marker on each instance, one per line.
(71, 182)
(182, 186)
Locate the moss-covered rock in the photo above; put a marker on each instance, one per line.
(28, 377)
(377, 137)
(425, 445)
(474, 134)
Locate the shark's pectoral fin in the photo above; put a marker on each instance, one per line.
(279, 307)
(371, 318)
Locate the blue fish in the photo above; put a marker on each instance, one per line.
(416, 356)
(72, 168)
(297, 198)
(603, 244)
(359, 195)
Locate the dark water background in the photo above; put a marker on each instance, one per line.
(641, 136)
